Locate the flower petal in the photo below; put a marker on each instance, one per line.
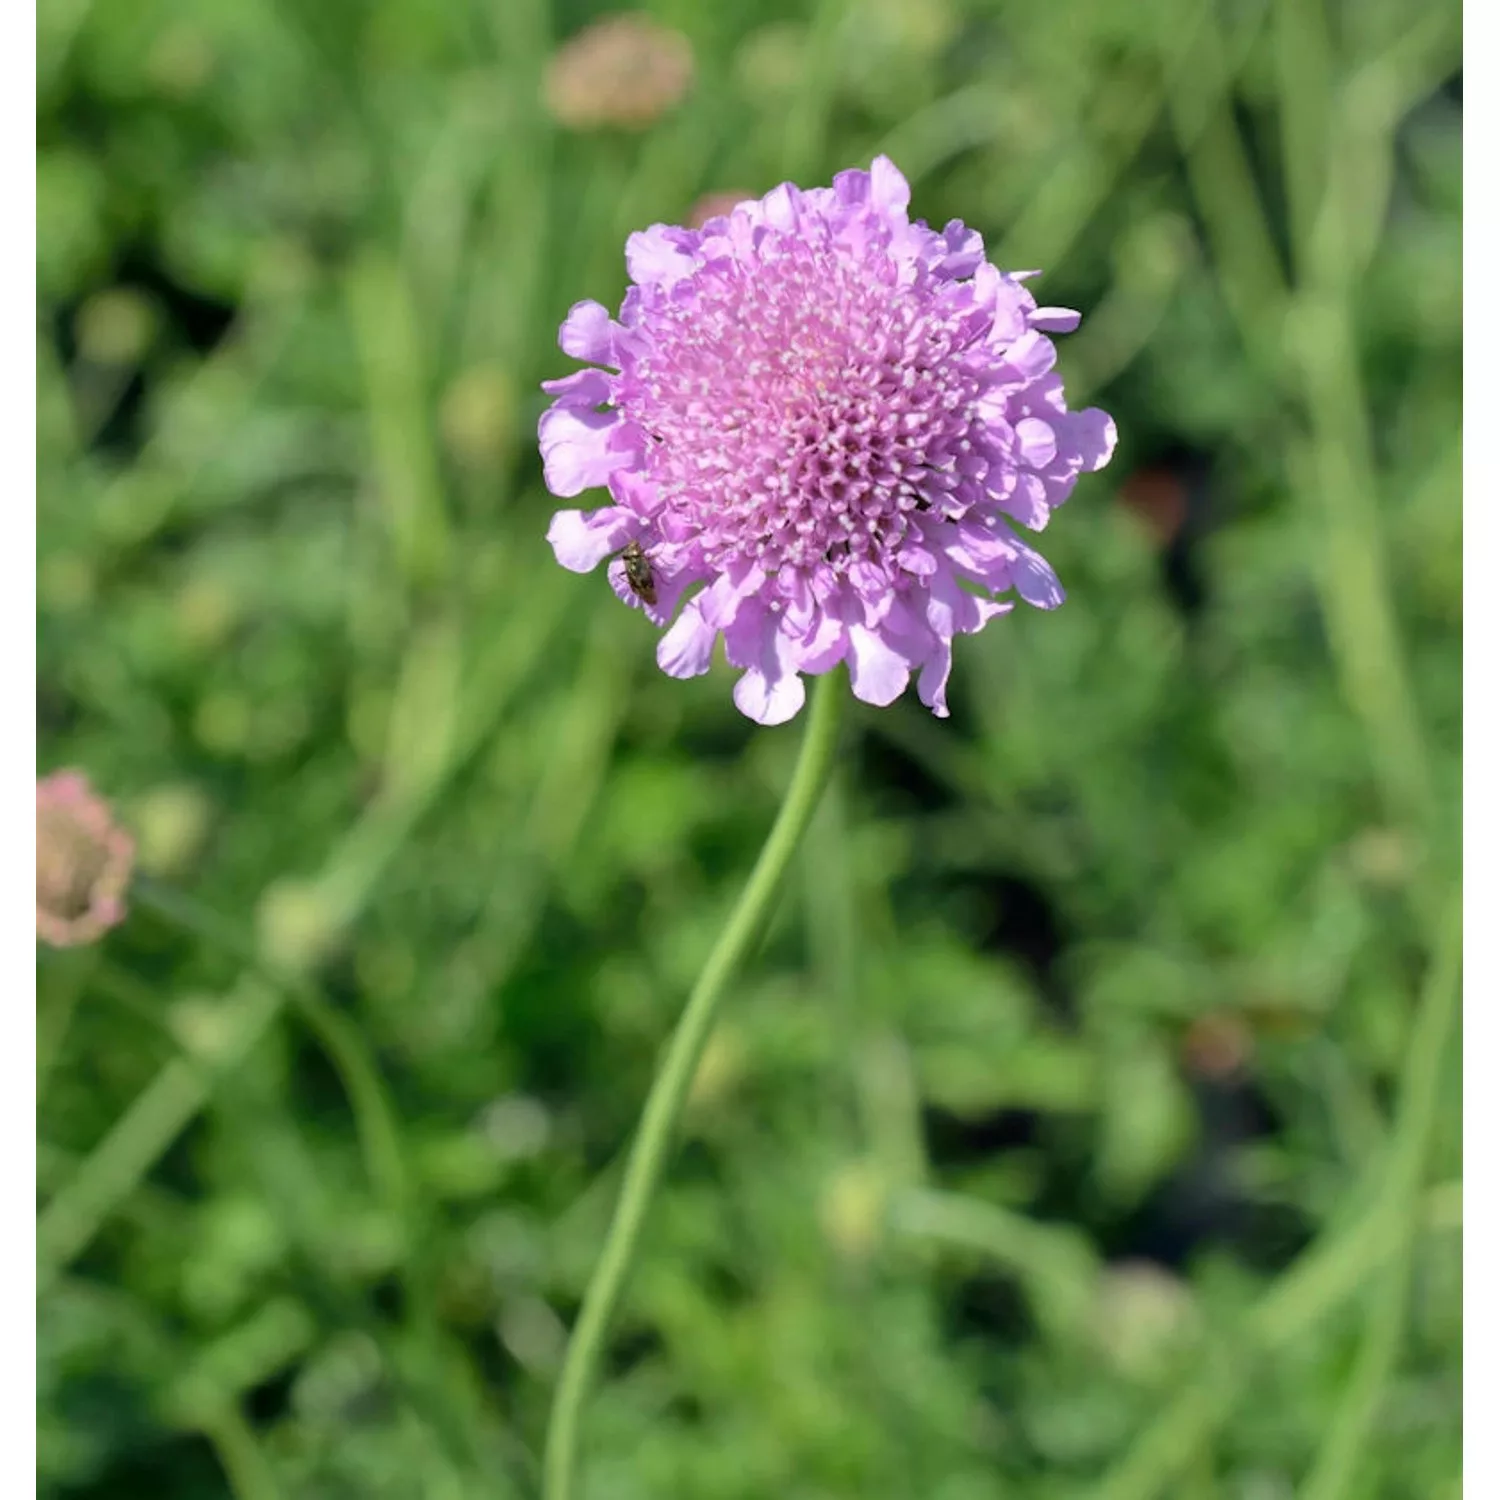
(952, 610)
(889, 190)
(770, 691)
(660, 256)
(1028, 502)
(1036, 441)
(1055, 319)
(1091, 435)
(874, 583)
(581, 388)
(932, 682)
(779, 206)
(1034, 579)
(579, 448)
(823, 646)
(877, 671)
(1000, 560)
(769, 700)
(1031, 355)
(722, 599)
(964, 251)
(582, 540)
(688, 646)
(588, 332)
(1009, 299)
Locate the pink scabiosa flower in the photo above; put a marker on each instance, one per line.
(83, 862)
(817, 421)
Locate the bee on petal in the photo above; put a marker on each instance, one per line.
(638, 572)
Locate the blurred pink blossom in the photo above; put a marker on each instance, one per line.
(83, 862)
(625, 70)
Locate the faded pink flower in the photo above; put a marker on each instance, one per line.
(626, 70)
(819, 424)
(83, 862)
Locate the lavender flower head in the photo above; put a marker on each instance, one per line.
(817, 421)
(83, 862)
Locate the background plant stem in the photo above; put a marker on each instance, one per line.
(1329, 1273)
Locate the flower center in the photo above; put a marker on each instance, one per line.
(803, 408)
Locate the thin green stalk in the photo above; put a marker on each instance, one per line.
(1200, 101)
(240, 1454)
(1304, 65)
(1346, 1439)
(118, 1164)
(1056, 215)
(1056, 1265)
(388, 336)
(830, 925)
(648, 1153)
(806, 124)
(376, 1124)
(374, 1116)
(54, 1018)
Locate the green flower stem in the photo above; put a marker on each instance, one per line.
(118, 1165)
(1348, 1435)
(240, 1454)
(375, 1121)
(53, 1020)
(648, 1153)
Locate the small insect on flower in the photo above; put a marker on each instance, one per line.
(638, 572)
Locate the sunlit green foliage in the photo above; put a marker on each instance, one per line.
(1090, 1010)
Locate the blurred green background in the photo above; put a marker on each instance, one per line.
(1089, 1125)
